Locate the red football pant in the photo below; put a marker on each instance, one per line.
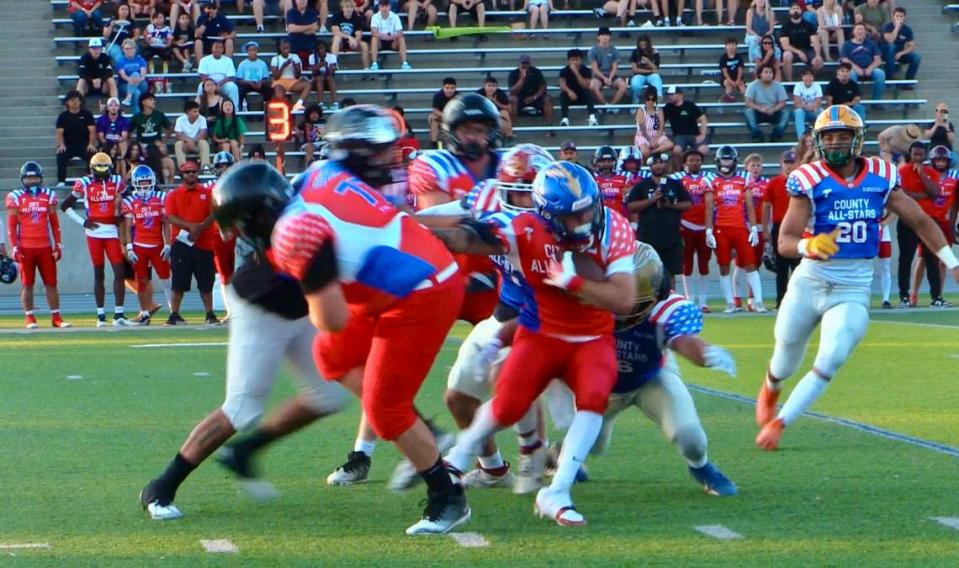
(396, 349)
(109, 246)
(479, 306)
(588, 368)
(757, 251)
(729, 240)
(150, 256)
(224, 256)
(694, 242)
(33, 259)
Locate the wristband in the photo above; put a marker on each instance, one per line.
(130, 246)
(948, 257)
(803, 243)
(575, 284)
(72, 213)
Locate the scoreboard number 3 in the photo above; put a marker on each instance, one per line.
(279, 121)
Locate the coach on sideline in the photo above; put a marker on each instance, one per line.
(190, 213)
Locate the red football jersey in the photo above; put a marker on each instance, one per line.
(33, 218)
(729, 201)
(613, 189)
(757, 186)
(696, 186)
(939, 209)
(148, 214)
(100, 197)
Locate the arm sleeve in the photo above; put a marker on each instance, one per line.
(622, 245)
(297, 243)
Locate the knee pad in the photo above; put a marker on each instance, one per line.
(389, 419)
(243, 411)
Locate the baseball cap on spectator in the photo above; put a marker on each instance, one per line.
(524, 59)
(384, 2)
(113, 101)
(189, 166)
(603, 31)
(789, 156)
(250, 44)
(95, 42)
(673, 89)
(568, 145)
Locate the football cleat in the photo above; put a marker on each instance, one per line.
(904, 303)
(175, 319)
(531, 472)
(246, 478)
(211, 320)
(142, 319)
(159, 506)
(713, 480)
(57, 321)
(766, 404)
(405, 476)
(120, 321)
(705, 309)
(101, 320)
(557, 507)
(480, 478)
(732, 309)
(442, 514)
(886, 305)
(768, 438)
(940, 303)
(355, 470)
(31, 322)
(758, 308)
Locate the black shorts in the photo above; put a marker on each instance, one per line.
(688, 141)
(129, 274)
(188, 262)
(672, 257)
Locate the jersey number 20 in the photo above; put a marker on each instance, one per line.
(855, 232)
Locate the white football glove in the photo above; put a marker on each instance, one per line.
(719, 359)
(483, 363)
(753, 236)
(710, 239)
(131, 256)
(165, 252)
(769, 251)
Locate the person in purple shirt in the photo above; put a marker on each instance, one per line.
(864, 57)
(113, 130)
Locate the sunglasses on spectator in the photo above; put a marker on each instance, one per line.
(767, 43)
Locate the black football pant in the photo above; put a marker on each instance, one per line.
(784, 266)
(908, 241)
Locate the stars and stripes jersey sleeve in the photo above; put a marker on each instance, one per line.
(296, 241)
(126, 207)
(483, 199)
(504, 227)
(619, 244)
(12, 202)
(676, 317)
(423, 177)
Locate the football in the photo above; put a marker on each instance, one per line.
(587, 268)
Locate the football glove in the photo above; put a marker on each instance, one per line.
(821, 247)
(165, 253)
(563, 275)
(710, 239)
(132, 256)
(719, 359)
(753, 235)
(485, 358)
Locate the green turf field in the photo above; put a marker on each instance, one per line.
(76, 452)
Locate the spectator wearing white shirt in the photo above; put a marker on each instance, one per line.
(191, 136)
(807, 96)
(386, 29)
(252, 75)
(220, 70)
(287, 70)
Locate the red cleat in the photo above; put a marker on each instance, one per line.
(706, 310)
(766, 404)
(57, 321)
(768, 438)
(31, 321)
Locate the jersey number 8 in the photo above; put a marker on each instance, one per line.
(852, 232)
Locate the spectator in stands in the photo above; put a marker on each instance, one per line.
(113, 131)
(134, 157)
(347, 27)
(621, 9)
(302, 24)
(75, 134)
(574, 86)
(158, 39)
(153, 130)
(760, 23)
(807, 100)
(310, 132)
(213, 28)
(842, 90)
(323, 66)
(440, 99)
(527, 90)
(830, 22)
(189, 7)
(769, 55)
(775, 203)
(873, 16)
(209, 101)
(799, 42)
(183, 34)
(500, 99)
(252, 75)
(765, 103)
(863, 55)
(132, 75)
(899, 47)
(651, 126)
(941, 132)
(219, 68)
(412, 10)
(119, 29)
(230, 130)
(920, 182)
(257, 152)
(604, 67)
(287, 70)
(733, 70)
(86, 16)
(569, 153)
(281, 8)
(645, 64)
(96, 72)
(732, 6)
(386, 30)
(191, 136)
(895, 142)
(475, 6)
(538, 10)
(690, 128)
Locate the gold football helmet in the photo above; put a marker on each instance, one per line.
(649, 274)
(101, 165)
(839, 117)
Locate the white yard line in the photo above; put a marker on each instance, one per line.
(201, 374)
(951, 522)
(24, 545)
(469, 540)
(162, 345)
(219, 546)
(718, 531)
(74, 377)
(935, 325)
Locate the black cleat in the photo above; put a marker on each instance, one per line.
(355, 470)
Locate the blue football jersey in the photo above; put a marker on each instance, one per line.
(513, 288)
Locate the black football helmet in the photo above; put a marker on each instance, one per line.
(471, 107)
(249, 198)
(726, 159)
(361, 137)
(8, 270)
(31, 169)
(607, 155)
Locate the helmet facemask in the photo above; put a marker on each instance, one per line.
(839, 156)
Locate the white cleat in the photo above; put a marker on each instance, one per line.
(479, 478)
(732, 309)
(259, 490)
(121, 322)
(560, 508)
(160, 512)
(760, 309)
(591, 121)
(531, 472)
(442, 514)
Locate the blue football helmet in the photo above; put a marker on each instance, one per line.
(565, 188)
(223, 160)
(143, 180)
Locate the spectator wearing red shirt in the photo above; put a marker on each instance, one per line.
(86, 16)
(775, 203)
(920, 182)
(190, 214)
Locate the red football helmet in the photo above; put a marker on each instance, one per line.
(517, 169)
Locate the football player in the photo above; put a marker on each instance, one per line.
(566, 323)
(146, 237)
(693, 227)
(612, 185)
(938, 208)
(101, 192)
(383, 291)
(729, 211)
(629, 164)
(224, 252)
(663, 323)
(833, 282)
(269, 324)
(756, 183)
(33, 230)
